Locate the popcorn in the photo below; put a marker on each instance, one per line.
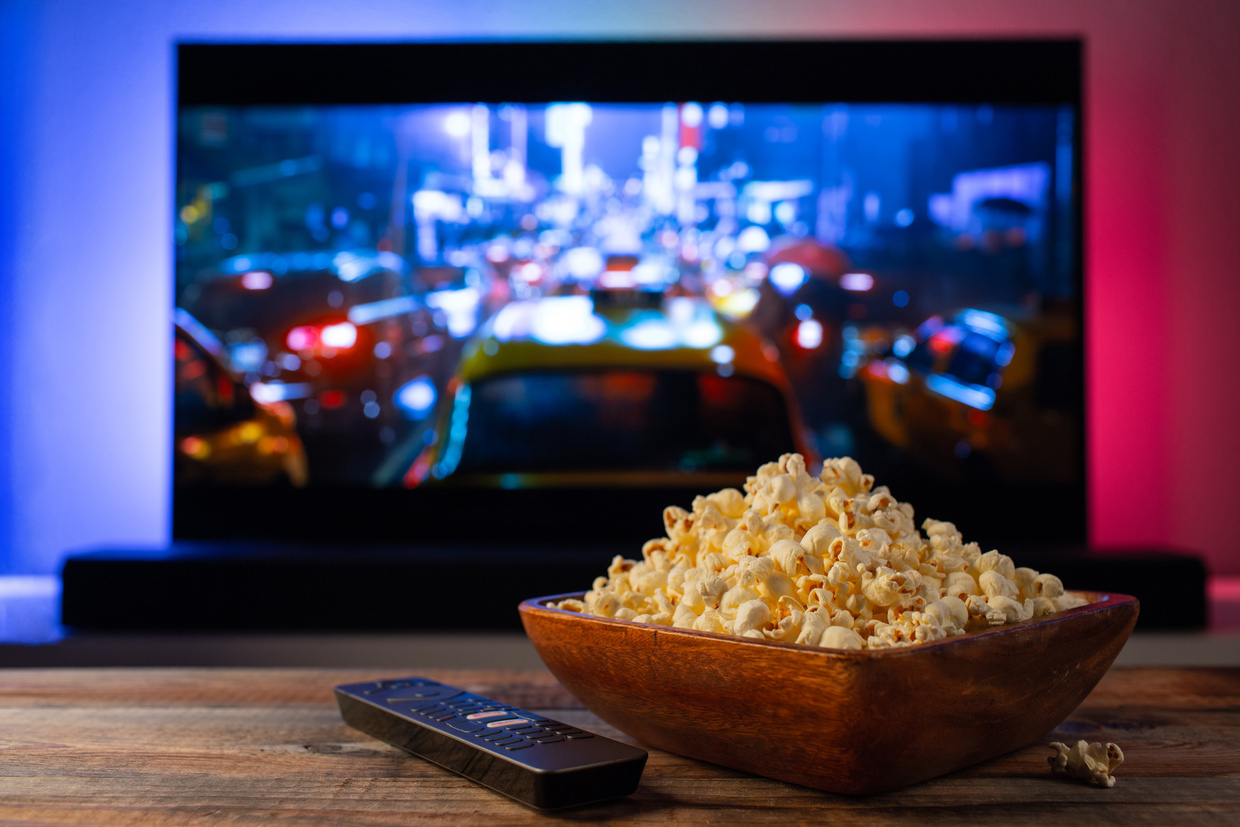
(1094, 763)
(825, 560)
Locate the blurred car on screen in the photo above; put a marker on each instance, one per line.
(982, 394)
(343, 336)
(616, 388)
(222, 435)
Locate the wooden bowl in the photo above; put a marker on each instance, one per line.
(851, 722)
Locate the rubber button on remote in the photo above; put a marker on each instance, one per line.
(462, 725)
(507, 722)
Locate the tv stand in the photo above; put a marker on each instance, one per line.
(202, 586)
(215, 586)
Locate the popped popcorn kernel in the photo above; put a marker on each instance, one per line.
(826, 559)
(1094, 763)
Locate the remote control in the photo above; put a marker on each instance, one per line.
(537, 761)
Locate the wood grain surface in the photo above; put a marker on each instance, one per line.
(239, 746)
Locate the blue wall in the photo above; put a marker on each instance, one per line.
(15, 36)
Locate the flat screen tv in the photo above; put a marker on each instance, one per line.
(534, 292)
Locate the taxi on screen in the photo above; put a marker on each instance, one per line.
(615, 388)
(224, 436)
(982, 393)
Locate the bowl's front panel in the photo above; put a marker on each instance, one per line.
(849, 723)
(952, 706)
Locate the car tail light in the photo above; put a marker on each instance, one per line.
(332, 399)
(340, 336)
(302, 338)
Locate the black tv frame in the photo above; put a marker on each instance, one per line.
(1016, 71)
(814, 71)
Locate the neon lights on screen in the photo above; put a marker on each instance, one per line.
(456, 435)
(650, 334)
(417, 397)
(461, 308)
(984, 322)
(268, 392)
(809, 334)
(257, 280)
(856, 282)
(565, 320)
(787, 277)
(972, 395)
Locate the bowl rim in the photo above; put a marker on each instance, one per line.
(1098, 602)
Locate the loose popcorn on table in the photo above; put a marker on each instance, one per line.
(1094, 762)
(825, 560)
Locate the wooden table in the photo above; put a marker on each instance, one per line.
(261, 746)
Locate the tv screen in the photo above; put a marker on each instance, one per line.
(538, 291)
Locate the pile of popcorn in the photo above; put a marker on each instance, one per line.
(826, 560)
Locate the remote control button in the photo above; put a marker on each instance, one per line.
(510, 741)
(497, 736)
(577, 736)
(548, 739)
(462, 725)
(508, 722)
(490, 713)
(521, 745)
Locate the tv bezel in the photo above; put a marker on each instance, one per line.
(945, 71)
